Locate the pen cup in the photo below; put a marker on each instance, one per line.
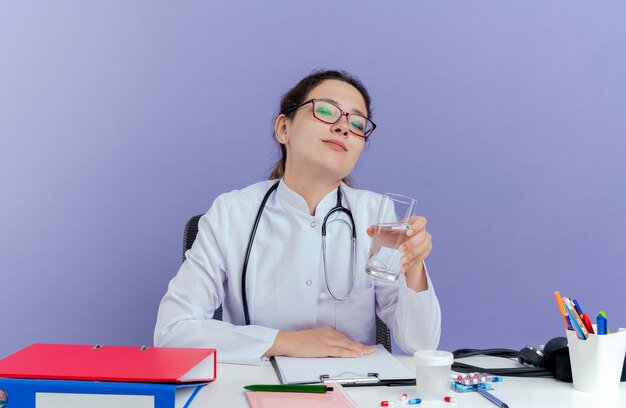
(598, 361)
(432, 374)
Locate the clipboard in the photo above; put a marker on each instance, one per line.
(379, 368)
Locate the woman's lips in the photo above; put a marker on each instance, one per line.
(336, 145)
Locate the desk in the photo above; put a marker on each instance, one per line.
(227, 391)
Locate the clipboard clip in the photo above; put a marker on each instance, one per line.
(348, 377)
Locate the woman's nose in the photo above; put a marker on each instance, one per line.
(341, 127)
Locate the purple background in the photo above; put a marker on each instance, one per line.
(119, 120)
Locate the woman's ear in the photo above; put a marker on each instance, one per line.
(280, 129)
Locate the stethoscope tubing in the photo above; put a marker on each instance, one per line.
(244, 298)
(338, 208)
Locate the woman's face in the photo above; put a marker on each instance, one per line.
(315, 148)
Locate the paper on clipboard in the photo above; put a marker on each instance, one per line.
(379, 367)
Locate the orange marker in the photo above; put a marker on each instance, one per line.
(559, 302)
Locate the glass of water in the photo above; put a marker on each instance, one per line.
(394, 220)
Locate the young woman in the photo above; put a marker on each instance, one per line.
(259, 250)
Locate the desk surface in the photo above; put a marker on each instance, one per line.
(227, 391)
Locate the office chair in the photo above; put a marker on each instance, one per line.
(191, 230)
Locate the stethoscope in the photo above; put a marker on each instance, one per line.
(337, 208)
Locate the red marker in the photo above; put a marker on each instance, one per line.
(587, 323)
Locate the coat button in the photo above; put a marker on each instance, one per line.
(313, 224)
(309, 282)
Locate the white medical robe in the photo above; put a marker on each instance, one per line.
(285, 278)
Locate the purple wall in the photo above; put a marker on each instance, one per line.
(118, 121)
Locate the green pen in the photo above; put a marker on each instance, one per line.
(320, 389)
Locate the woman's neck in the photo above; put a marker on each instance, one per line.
(313, 190)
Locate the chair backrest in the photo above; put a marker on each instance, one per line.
(189, 236)
(191, 230)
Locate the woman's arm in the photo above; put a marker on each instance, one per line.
(414, 318)
(185, 316)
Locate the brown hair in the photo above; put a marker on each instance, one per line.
(296, 95)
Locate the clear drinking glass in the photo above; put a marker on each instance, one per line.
(394, 219)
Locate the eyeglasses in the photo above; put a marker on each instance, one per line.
(330, 113)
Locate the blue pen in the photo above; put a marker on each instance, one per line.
(579, 332)
(491, 397)
(577, 306)
(565, 301)
(601, 324)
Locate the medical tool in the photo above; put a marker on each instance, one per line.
(337, 208)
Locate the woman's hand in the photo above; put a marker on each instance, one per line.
(415, 250)
(321, 342)
(418, 246)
